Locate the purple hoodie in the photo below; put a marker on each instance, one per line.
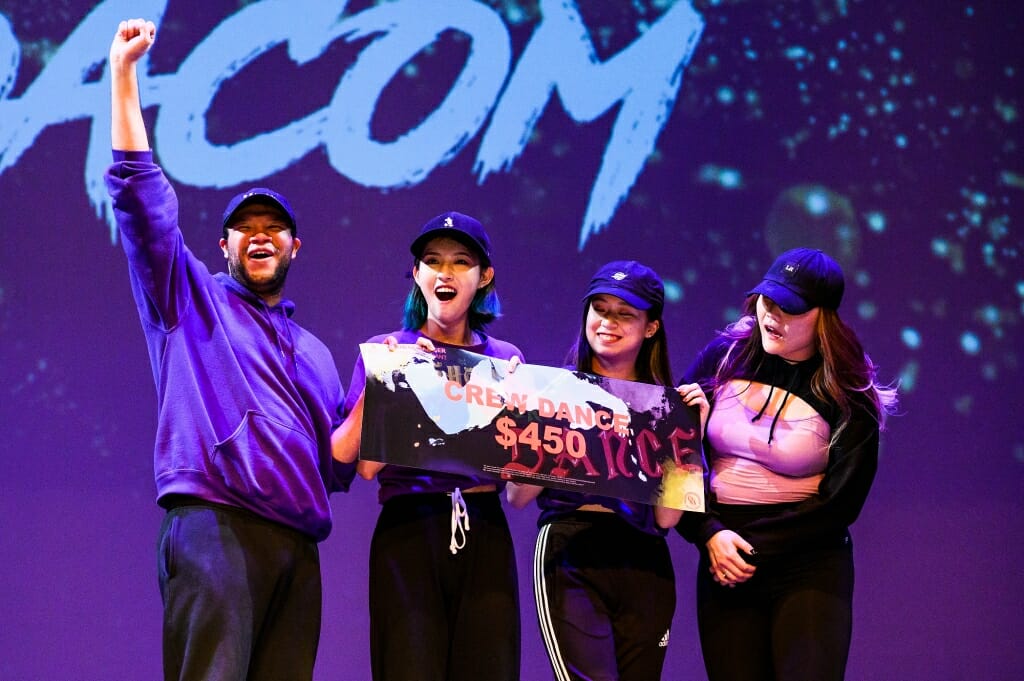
(246, 398)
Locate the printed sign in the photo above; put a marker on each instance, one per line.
(459, 412)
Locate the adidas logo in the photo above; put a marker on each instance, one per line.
(664, 640)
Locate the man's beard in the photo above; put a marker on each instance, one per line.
(263, 287)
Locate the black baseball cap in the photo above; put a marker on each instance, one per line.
(637, 284)
(259, 195)
(803, 279)
(463, 228)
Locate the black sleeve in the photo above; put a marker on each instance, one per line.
(697, 528)
(853, 461)
(704, 365)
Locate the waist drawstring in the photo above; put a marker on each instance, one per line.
(460, 521)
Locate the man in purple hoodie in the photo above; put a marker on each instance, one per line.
(247, 400)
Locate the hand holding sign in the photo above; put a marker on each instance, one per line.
(469, 414)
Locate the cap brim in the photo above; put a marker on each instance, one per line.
(628, 296)
(786, 298)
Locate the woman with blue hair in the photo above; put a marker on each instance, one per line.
(444, 601)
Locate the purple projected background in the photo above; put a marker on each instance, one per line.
(885, 132)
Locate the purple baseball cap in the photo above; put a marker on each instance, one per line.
(635, 283)
(803, 279)
(259, 195)
(464, 229)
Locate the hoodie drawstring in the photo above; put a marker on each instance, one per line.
(771, 389)
(778, 413)
(782, 405)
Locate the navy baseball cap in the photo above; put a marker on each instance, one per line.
(259, 195)
(803, 279)
(635, 283)
(464, 229)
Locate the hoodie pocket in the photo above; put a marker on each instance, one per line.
(264, 459)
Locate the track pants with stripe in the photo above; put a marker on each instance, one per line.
(605, 595)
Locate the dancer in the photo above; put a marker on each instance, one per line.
(603, 577)
(792, 447)
(444, 603)
(247, 400)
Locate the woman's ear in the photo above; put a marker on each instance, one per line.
(486, 277)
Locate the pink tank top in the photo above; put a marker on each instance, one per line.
(745, 468)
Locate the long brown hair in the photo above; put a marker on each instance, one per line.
(847, 377)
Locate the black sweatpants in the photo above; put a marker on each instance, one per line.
(605, 596)
(438, 616)
(242, 596)
(791, 621)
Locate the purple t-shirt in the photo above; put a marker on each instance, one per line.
(396, 480)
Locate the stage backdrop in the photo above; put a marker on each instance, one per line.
(701, 138)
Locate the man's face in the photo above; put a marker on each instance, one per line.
(259, 249)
